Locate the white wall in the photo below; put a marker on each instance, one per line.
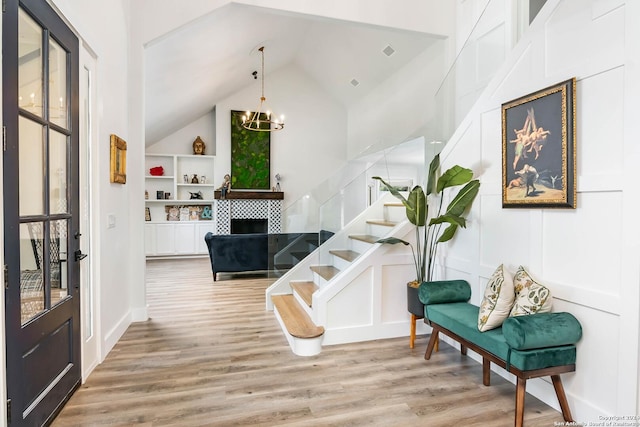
(181, 141)
(590, 256)
(103, 27)
(310, 147)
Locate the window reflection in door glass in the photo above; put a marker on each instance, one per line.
(58, 261)
(29, 64)
(58, 173)
(31, 163)
(31, 270)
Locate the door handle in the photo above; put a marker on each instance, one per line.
(79, 256)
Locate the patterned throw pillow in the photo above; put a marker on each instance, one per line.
(531, 296)
(498, 300)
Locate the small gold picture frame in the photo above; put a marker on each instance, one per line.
(118, 160)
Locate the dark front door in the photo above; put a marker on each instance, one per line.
(40, 108)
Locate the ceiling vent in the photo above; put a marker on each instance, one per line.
(388, 50)
(354, 82)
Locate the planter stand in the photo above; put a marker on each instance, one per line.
(416, 308)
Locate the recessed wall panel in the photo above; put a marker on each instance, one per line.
(583, 247)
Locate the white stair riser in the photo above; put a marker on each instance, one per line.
(378, 230)
(303, 304)
(359, 246)
(340, 263)
(395, 213)
(300, 346)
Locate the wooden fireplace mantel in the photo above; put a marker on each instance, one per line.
(251, 195)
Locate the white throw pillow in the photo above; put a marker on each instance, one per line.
(531, 296)
(497, 301)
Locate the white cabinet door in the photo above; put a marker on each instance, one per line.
(165, 239)
(184, 239)
(203, 228)
(150, 239)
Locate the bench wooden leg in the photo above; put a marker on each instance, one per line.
(521, 390)
(486, 371)
(432, 343)
(562, 398)
(463, 350)
(412, 336)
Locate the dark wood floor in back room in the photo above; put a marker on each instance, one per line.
(212, 356)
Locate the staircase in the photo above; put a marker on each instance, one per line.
(346, 290)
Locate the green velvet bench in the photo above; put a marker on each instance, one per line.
(529, 346)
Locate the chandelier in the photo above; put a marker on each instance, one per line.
(263, 119)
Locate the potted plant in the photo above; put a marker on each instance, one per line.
(440, 228)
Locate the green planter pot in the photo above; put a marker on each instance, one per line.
(414, 305)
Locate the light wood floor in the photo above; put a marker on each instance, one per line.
(212, 356)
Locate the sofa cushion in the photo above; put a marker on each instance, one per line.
(498, 300)
(444, 291)
(531, 296)
(541, 330)
(461, 319)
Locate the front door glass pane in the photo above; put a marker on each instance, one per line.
(57, 84)
(31, 164)
(58, 173)
(58, 261)
(31, 270)
(29, 64)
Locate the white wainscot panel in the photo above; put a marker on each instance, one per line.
(491, 134)
(466, 151)
(491, 51)
(578, 44)
(592, 389)
(394, 292)
(579, 249)
(600, 125)
(504, 233)
(352, 306)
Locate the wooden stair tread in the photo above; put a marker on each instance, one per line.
(325, 271)
(382, 222)
(305, 290)
(364, 237)
(347, 255)
(394, 204)
(296, 320)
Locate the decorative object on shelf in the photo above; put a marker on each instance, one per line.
(160, 195)
(167, 196)
(118, 160)
(184, 213)
(146, 195)
(225, 187)
(198, 146)
(203, 179)
(278, 178)
(147, 214)
(194, 179)
(250, 156)
(156, 171)
(173, 213)
(188, 212)
(261, 120)
(185, 178)
(538, 149)
(195, 196)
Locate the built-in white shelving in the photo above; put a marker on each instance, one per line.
(176, 223)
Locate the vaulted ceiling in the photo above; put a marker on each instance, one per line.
(192, 68)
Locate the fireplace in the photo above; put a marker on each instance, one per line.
(249, 225)
(250, 211)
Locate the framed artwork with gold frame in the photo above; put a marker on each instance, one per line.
(118, 160)
(539, 149)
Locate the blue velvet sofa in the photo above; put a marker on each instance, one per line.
(233, 253)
